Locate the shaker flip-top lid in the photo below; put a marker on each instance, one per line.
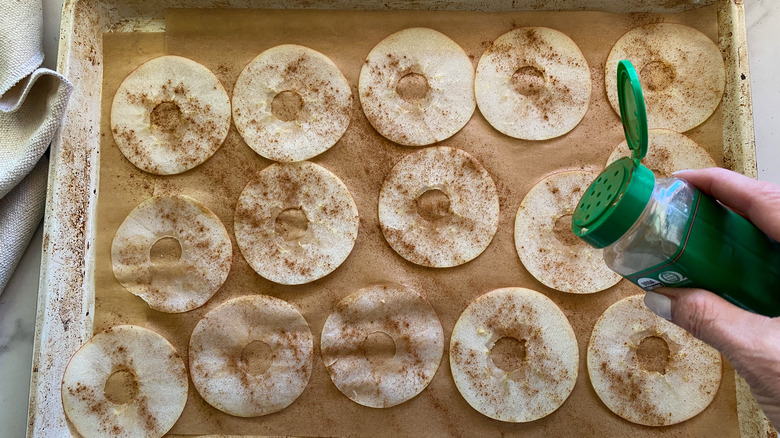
(632, 110)
(616, 199)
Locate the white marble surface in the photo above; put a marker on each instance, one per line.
(17, 328)
(18, 302)
(763, 20)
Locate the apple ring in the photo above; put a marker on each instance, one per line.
(236, 377)
(533, 83)
(376, 377)
(516, 386)
(151, 390)
(668, 152)
(681, 69)
(545, 243)
(438, 207)
(680, 388)
(417, 87)
(295, 222)
(291, 103)
(173, 252)
(169, 115)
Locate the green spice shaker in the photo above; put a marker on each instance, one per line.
(666, 232)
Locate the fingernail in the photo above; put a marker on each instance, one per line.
(681, 171)
(659, 304)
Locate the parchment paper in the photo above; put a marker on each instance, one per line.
(224, 41)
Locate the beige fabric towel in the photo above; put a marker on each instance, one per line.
(32, 104)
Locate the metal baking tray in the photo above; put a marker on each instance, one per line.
(66, 293)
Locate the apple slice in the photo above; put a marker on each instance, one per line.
(291, 103)
(681, 70)
(658, 386)
(417, 87)
(438, 207)
(126, 381)
(382, 345)
(513, 355)
(251, 356)
(169, 115)
(295, 222)
(533, 83)
(173, 252)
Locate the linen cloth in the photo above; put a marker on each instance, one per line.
(32, 104)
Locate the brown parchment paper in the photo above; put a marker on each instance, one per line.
(224, 41)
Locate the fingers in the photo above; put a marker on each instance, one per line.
(708, 317)
(758, 200)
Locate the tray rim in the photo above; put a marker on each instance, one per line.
(66, 291)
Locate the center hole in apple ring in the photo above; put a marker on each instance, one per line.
(292, 223)
(412, 87)
(286, 106)
(165, 251)
(563, 232)
(121, 387)
(379, 347)
(653, 354)
(528, 80)
(508, 353)
(165, 117)
(257, 357)
(433, 204)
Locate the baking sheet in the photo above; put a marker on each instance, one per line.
(224, 41)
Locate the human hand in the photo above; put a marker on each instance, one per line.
(749, 341)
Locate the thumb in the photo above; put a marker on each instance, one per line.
(708, 317)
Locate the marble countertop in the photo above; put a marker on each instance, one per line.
(18, 301)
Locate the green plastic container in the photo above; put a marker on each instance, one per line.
(665, 232)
